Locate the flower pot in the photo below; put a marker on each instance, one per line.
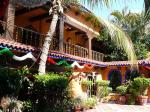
(122, 100)
(127, 97)
(142, 100)
(77, 108)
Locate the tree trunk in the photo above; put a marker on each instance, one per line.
(45, 49)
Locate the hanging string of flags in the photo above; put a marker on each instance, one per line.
(73, 65)
(50, 60)
(17, 58)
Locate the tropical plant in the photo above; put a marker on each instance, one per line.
(89, 103)
(121, 89)
(134, 25)
(102, 89)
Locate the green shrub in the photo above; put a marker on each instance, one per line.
(49, 91)
(89, 103)
(87, 83)
(102, 83)
(121, 89)
(139, 86)
(10, 82)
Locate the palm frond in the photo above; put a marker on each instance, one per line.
(122, 40)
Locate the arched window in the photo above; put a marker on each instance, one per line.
(115, 79)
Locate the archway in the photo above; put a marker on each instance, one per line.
(115, 79)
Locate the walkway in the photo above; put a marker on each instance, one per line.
(103, 107)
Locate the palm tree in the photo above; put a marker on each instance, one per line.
(134, 24)
(56, 10)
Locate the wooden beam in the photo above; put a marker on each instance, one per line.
(39, 17)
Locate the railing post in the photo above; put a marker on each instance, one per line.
(61, 33)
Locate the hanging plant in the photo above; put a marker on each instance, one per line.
(32, 3)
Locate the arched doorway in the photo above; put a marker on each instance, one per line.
(115, 79)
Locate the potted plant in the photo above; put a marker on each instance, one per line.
(140, 85)
(77, 104)
(89, 103)
(103, 90)
(85, 84)
(122, 90)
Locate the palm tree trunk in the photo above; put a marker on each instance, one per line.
(45, 49)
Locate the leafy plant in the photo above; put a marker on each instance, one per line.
(49, 91)
(102, 83)
(139, 86)
(89, 103)
(121, 89)
(23, 71)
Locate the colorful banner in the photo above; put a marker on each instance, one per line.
(22, 58)
(17, 58)
(76, 64)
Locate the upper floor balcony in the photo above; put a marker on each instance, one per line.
(35, 39)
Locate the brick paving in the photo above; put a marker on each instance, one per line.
(104, 107)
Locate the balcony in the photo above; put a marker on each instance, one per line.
(35, 39)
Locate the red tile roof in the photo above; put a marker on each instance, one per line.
(15, 45)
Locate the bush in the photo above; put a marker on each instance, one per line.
(49, 91)
(121, 89)
(89, 103)
(10, 82)
(139, 85)
(102, 83)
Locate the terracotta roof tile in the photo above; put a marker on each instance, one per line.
(16, 45)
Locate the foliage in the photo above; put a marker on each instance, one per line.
(49, 91)
(134, 25)
(140, 85)
(27, 106)
(86, 83)
(89, 103)
(122, 89)
(10, 82)
(102, 83)
(23, 71)
(102, 89)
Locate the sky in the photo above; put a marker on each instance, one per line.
(132, 5)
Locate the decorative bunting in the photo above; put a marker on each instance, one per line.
(17, 58)
(6, 51)
(28, 55)
(76, 64)
(50, 60)
(88, 66)
(63, 62)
